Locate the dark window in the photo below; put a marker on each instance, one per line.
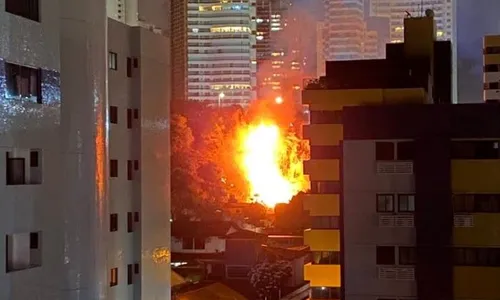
(325, 187)
(130, 170)
(113, 277)
(129, 67)
(385, 203)
(34, 159)
(386, 255)
(493, 85)
(326, 117)
(326, 152)
(136, 113)
(15, 171)
(113, 114)
(113, 61)
(34, 240)
(136, 216)
(406, 203)
(405, 151)
(492, 50)
(129, 118)
(475, 150)
(484, 257)
(136, 165)
(407, 255)
(384, 151)
(492, 68)
(325, 222)
(136, 268)
(187, 243)
(113, 222)
(130, 222)
(199, 243)
(326, 257)
(325, 293)
(29, 9)
(136, 62)
(130, 274)
(113, 168)
(476, 203)
(23, 82)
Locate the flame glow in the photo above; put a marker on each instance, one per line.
(273, 172)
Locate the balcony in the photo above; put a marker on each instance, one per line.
(396, 273)
(322, 239)
(391, 221)
(475, 176)
(322, 204)
(394, 167)
(463, 221)
(322, 169)
(322, 275)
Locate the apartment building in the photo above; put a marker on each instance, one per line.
(222, 61)
(413, 73)
(491, 68)
(85, 201)
(424, 224)
(179, 57)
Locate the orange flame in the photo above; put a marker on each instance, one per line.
(270, 163)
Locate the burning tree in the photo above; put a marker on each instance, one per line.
(268, 278)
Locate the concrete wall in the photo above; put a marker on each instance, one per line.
(361, 224)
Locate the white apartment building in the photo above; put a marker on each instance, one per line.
(84, 142)
(491, 67)
(222, 59)
(343, 29)
(397, 10)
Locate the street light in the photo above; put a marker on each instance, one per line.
(278, 100)
(221, 96)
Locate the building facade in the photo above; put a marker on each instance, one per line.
(222, 62)
(179, 46)
(80, 177)
(424, 224)
(491, 68)
(410, 74)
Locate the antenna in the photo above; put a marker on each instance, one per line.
(421, 8)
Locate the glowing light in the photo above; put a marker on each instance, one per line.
(278, 100)
(265, 156)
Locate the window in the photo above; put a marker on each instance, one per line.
(199, 243)
(476, 203)
(385, 203)
(29, 9)
(136, 62)
(113, 277)
(23, 251)
(113, 222)
(494, 85)
(130, 222)
(492, 50)
(187, 243)
(405, 151)
(129, 118)
(113, 168)
(406, 203)
(492, 68)
(386, 255)
(34, 161)
(485, 257)
(326, 117)
(136, 165)
(113, 114)
(325, 187)
(384, 151)
(325, 293)
(326, 257)
(326, 152)
(136, 113)
(136, 217)
(475, 150)
(129, 67)
(407, 255)
(15, 171)
(130, 274)
(130, 170)
(325, 222)
(113, 61)
(23, 82)
(136, 268)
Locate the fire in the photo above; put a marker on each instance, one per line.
(270, 164)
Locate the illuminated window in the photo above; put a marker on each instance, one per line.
(23, 82)
(113, 277)
(230, 29)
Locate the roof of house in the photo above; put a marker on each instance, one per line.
(213, 291)
(246, 235)
(181, 256)
(286, 253)
(201, 228)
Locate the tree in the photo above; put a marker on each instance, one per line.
(269, 277)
